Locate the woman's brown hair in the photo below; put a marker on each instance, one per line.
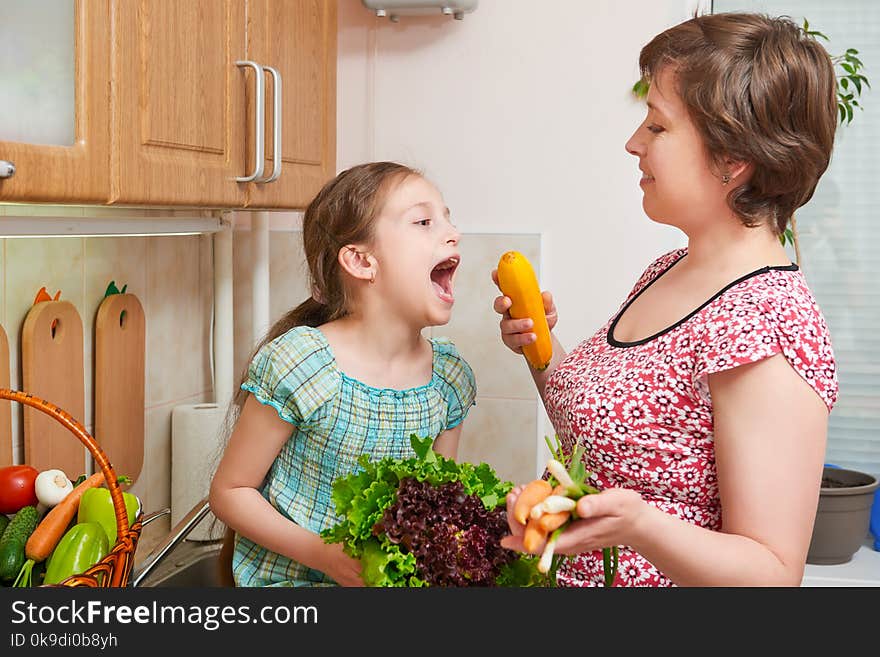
(759, 90)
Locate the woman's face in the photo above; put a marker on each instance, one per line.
(679, 184)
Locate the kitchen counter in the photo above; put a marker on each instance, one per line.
(862, 570)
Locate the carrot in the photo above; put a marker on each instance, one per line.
(534, 536)
(533, 493)
(551, 521)
(53, 525)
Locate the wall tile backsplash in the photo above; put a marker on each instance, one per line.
(502, 428)
(173, 279)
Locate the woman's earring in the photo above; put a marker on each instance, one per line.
(372, 277)
(725, 178)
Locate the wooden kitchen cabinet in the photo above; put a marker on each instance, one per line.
(79, 172)
(186, 115)
(179, 103)
(298, 39)
(174, 124)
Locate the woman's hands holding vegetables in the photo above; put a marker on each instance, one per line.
(571, 516)
(611, 517)
(516, 333)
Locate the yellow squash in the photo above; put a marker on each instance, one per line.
(517, 280)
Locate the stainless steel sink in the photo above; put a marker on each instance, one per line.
(179, 562)
(191, 564)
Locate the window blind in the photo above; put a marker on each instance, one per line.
(840, 252)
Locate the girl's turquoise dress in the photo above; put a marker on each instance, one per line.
(334, 420)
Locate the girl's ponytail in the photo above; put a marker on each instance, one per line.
(308, 313)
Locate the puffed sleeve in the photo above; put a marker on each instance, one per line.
(457, 383)
(772, 314)
(295, 374)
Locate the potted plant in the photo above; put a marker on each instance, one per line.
(842, 516)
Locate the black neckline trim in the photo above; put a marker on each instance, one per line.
(609, 336)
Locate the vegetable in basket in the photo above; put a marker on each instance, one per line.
(52, 486)
(82, 546)
(51, 528)
(12, 542)
(428, 521)
(17, 487)
(96, 505)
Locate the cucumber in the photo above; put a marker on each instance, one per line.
(4, 521)
(13, 540)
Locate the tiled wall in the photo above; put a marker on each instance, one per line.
(172, 278)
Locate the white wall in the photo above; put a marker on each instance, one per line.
(519, 113)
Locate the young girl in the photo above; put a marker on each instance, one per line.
(703, 403)
(346, 372)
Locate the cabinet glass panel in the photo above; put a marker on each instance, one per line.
(37, 72)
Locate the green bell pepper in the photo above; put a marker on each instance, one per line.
(96, 505)
(81, 547)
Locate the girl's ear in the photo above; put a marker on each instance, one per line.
(357, 263)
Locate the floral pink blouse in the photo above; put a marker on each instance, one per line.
(643, 411)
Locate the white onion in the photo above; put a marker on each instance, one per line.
(52, 486)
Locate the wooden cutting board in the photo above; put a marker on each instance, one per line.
(5, 405)
(120, 333)
(52, 369)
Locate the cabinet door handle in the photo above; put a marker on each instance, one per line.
(7, 169)
(276, 125)
(259, 120)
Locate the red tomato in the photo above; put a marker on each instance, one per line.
(17, 487)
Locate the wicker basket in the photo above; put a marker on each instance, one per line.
(113, 570)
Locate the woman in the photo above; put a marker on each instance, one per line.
(703, 402)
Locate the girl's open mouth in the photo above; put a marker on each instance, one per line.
(441, 279)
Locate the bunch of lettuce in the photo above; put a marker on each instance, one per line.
(428, 521)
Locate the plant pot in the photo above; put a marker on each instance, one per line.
(843, 515)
